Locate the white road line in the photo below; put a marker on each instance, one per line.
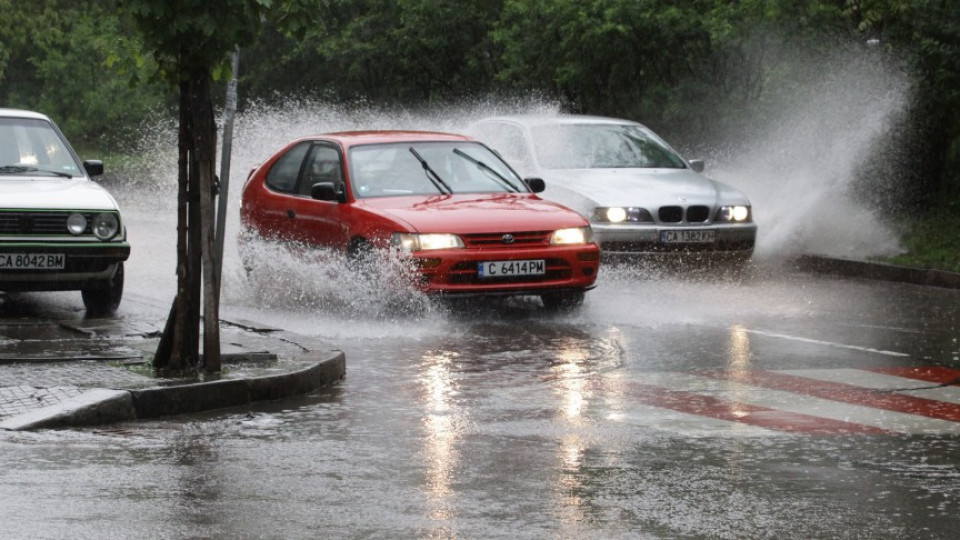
(827, 343)
(691, 425)
(857, 377)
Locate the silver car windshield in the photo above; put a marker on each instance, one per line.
(429, 168)
(29, 146)
(602, 146)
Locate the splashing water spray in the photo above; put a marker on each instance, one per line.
(800, 165)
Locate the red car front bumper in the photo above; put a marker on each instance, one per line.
(456, 271)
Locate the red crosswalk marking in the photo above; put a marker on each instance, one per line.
(933, 374)
(689, 402)
(844, 393)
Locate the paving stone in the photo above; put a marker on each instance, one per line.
(16, 400)
(61, 369)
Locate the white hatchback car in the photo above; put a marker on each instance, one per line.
(59, 230)
(641, 197)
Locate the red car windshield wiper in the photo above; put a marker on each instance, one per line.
(484, 167)
(432, 175)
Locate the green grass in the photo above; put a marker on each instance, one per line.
(932, 241)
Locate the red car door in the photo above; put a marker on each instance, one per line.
(309, 220)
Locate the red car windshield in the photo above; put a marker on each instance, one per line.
(429, 168)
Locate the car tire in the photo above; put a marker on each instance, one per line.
(105, 300)
(563, 301)
(362, 257)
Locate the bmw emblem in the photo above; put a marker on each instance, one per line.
(507, 238)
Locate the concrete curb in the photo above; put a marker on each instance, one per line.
(105, 406)
(879, 271)
(316, 373)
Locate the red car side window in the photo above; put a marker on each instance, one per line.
(323, 165)
(285, 171)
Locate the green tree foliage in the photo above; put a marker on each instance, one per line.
(929, 32)
(185, 35)
(635, 58)
(72, 60)
(389, 51)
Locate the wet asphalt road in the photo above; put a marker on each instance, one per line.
(632, 418)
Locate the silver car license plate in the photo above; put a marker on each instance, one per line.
(31, 261)
(495, 269)
(706, 236)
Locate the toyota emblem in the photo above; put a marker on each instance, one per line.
(507, 238)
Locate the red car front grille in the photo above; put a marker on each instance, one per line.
(507, 240)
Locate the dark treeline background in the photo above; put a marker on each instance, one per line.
(689, 69)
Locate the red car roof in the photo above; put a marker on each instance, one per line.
(350, 138)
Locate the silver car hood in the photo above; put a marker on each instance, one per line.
(585, 189)
(45, 193)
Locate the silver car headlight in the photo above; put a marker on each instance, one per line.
(410, 242)
(736, 214)
(620, 214)
(572, 236)
(105, 226)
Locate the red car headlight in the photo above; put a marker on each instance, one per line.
(410, 242)
(572, 236)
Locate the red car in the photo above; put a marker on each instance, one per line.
(446, 202)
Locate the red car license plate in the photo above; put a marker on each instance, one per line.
(495, 269)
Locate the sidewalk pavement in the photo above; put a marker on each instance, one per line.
(82, 372)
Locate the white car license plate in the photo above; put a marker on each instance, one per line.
(31, 261)
(495, 269)
(688, 237)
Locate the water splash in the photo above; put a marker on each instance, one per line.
(800, 165)
(314, 279)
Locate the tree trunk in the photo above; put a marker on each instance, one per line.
(173, 352)
(205, 143)
(178, 351)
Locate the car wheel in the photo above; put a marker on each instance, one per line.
(105, 299)
(362, 257)
(562, 301)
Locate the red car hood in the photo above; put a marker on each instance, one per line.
(476, 213)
